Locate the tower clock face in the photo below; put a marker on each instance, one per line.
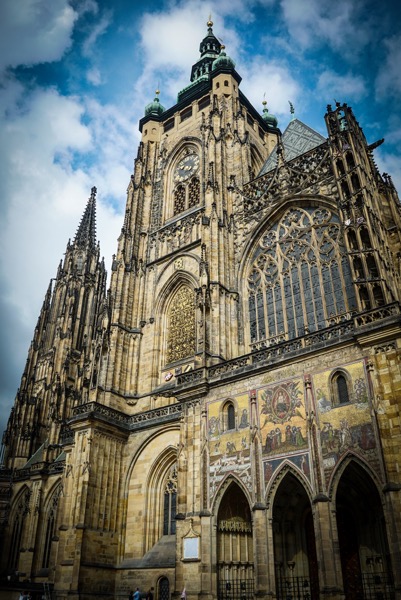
(186, 167)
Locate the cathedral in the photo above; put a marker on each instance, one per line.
(220, 421)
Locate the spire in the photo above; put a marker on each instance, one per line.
(86, 233)
(210, 44)
(209, 49)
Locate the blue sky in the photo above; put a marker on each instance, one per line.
(76, 75)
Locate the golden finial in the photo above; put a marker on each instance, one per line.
(210, 22)
(157, 92)
(264, 100)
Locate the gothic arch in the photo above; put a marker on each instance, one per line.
(49, 522)
(296, 275)
(362, 531)
(342, 465)
(234, 542)
(169, 279)
(137, 535)
(187, 147)
(228, 418)
(294, 544)
(340, 383)
(19, 510)
(155, 517)
(229, 479)
(286, 468)
(179, 287)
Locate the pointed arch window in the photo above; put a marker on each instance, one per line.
(299, 277)
(170, 503)
(21, 510)
(13, 556)
(181, 325)
(186, 193)
(230, 417)
(340, 388)
(50, 527)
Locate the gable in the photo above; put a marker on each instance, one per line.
(297, 139)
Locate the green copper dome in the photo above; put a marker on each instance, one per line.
(223, 61)
(270, 120)
(154, 108)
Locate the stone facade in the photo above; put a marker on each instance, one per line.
(226, 418)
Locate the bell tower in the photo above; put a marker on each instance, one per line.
(174, 300)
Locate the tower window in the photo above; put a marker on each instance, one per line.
(169, 125)
(186, 193)
(181, 329)
(204, 102)
(185, 114)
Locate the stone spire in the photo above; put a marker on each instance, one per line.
(86, 233)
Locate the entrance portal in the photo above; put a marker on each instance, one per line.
(234, 547)
(294, 542)
(362, 536)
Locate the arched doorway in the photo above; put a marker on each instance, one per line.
(163, 589)
(362, 536)
(234, 546)
(295, 557)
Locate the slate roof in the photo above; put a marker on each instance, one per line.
(297, 139)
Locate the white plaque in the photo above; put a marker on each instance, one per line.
(191, 548)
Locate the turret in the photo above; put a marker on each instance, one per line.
(55, 377)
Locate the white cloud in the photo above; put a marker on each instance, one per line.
(388, 162)
(271, 79)
(43, 30)
(312, 22)
(332, 86)
(96, 31)
(388, 82)
(93, 76)
(45, 187)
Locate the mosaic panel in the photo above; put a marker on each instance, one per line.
(283, 428)
(229, 450)
(347, 426)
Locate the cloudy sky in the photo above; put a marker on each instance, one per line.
(75, 76)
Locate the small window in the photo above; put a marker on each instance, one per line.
(340, 388)
(170, 503)
(226, 83)
(186, 114)
(228, 414)
(169, 125)
(230, 417)
(250, 120)
(204, 102)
